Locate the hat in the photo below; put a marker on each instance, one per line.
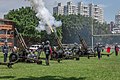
(47, 42)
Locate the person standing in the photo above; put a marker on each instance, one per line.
(47, 50)
(99, 50)
(60, 55)
(54, 53)
(5, 51)
(116, 49)
(108, 49)
(76, 50)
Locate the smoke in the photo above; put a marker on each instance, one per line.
(47, 21)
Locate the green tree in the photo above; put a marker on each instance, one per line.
(73, 25)
(26, 22)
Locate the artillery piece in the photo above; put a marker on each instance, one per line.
(85, 51)
(21, 53)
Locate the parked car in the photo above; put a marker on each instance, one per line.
(34, 47)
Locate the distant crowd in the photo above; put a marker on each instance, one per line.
(59, 53)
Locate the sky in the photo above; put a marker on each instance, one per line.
(111, 7)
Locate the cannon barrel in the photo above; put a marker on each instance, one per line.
(83, 43)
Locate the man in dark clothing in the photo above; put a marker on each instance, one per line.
(60, 55)
(76, 50)
(116, 50)
(47, 50)
(5, 51)
(99, 50)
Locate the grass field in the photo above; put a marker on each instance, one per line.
(108, 68)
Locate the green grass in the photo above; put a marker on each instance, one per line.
(108, 68)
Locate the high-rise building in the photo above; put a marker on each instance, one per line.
(111, 26)
(6, 32)
(65, 10)
(83, 9)
(70, 9)
(59, 10)
(117, 20)
(96, 12)
(91, 10)
(87, 10)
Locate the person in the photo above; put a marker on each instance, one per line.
(60, 55)
(40, 49)
(99, 50)
(31, 57)
(47, 50)
(108, 49)
(5, 51)
(76, 50)
(54, 53)
(116, 49)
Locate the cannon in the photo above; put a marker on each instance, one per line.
(21, 54)
(85, 50)
(13, 58)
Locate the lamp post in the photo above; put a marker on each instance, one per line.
(92, 34)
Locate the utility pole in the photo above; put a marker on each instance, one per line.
(92, 34)
(6, 33)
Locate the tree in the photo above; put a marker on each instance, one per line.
(26, 23)
(73, 25)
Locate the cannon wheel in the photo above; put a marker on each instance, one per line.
(13, 57)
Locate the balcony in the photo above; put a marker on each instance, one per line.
(6, 27)
(9, 43)
(6, 36)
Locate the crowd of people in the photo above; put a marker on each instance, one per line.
(99, 48)
(55, 53)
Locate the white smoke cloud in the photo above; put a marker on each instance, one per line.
(44, 15)
(41, 26)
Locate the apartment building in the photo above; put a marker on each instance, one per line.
(91, 10)
(6, 32)
(87, 10)
(117, 20)
(65, 10)
(111, 26)
(59, 10)
(96, 12)
(70, 9)
(83, 9)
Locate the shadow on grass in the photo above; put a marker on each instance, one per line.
(52, 78)
(6, 77)
(1, 56)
